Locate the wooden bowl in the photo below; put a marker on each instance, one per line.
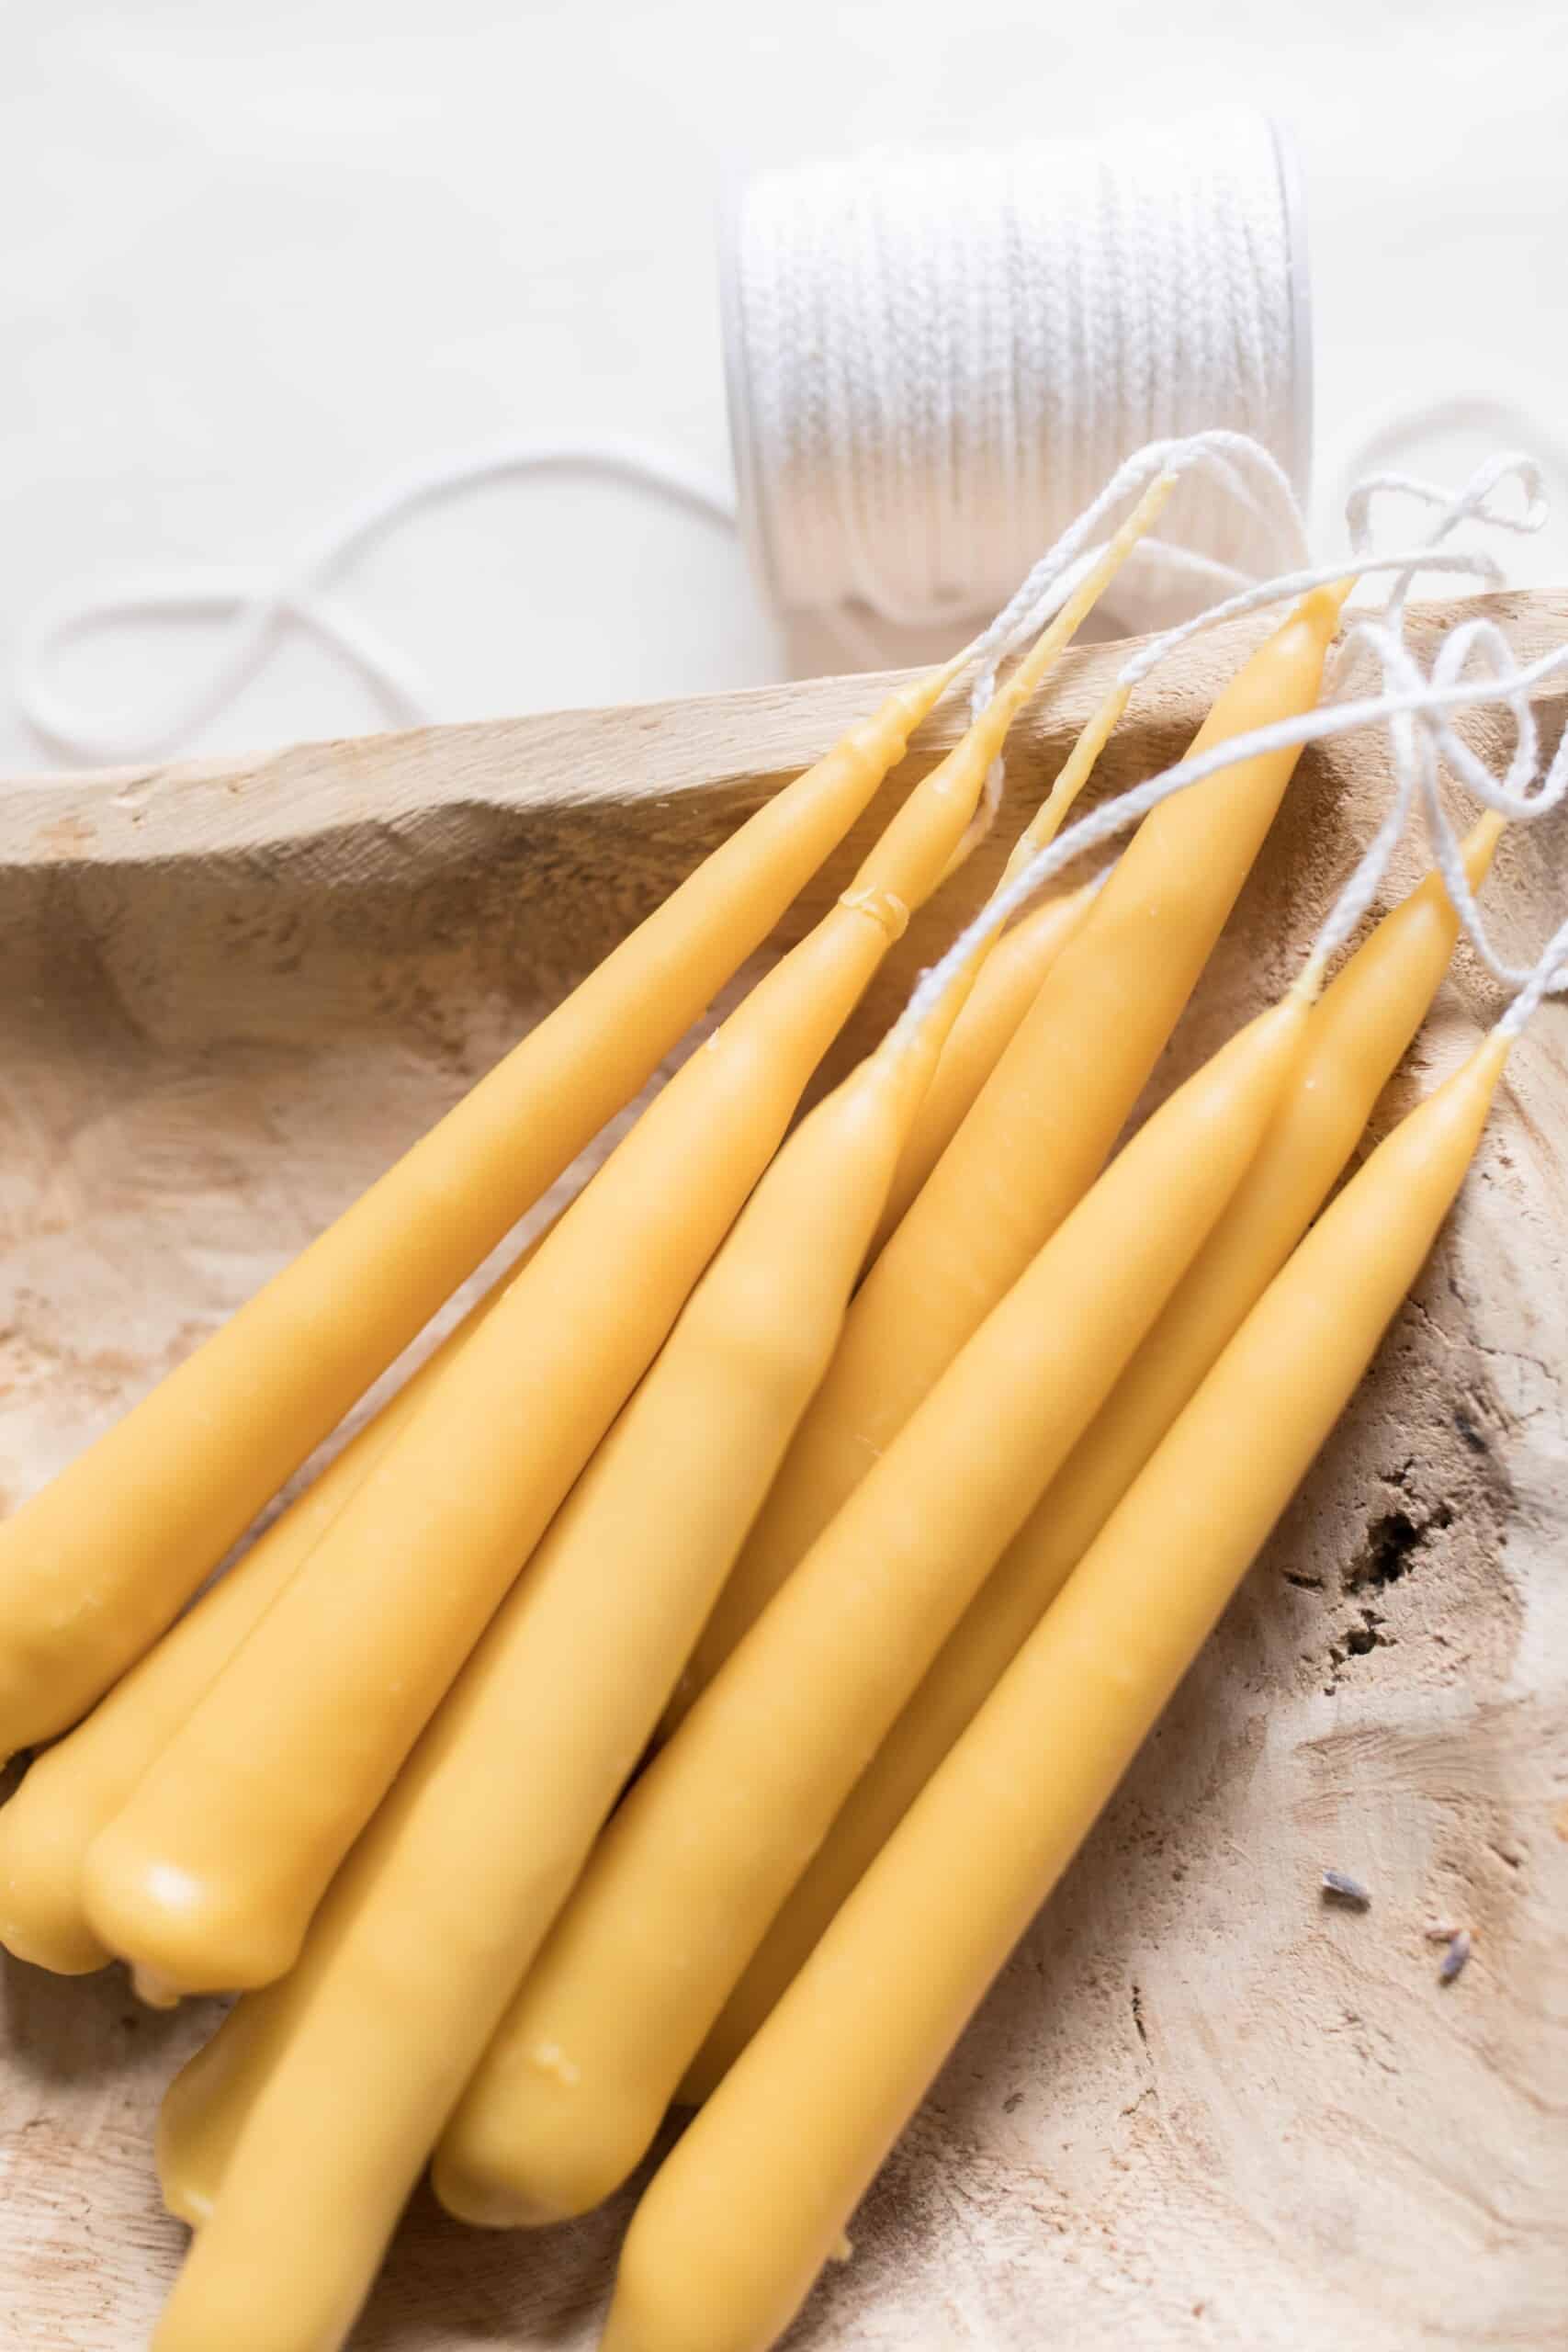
(1202, 2108)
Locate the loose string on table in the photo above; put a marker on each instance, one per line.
(258, 606)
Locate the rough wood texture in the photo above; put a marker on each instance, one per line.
(1201, 2110)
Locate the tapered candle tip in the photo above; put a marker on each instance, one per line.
(1482, 840)
(1307, 986)
(1486, 1064)
(1325, 604)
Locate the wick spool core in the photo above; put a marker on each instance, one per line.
(934, 361)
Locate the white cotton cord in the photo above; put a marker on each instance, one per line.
(1291, 585)
(935, 359)
(1516, 796)
(1550, 977)
(1376, 442)
(1423, 700)
(258, 606)
(1415, 771)
(1418, 733)
(1421, 741)
(1472, 503)
(1415, 767)
(401, 693)
(1410, 696)
(1143, 483)
(1469, 504)
(1243, 473)
(1415, 753)
(1047, 585)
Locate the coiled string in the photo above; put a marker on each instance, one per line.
(936, 361)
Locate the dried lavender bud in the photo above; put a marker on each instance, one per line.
(1346, 1889)
(1455, 1956)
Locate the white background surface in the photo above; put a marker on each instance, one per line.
(255, 257)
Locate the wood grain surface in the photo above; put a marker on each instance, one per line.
(1202, 2108)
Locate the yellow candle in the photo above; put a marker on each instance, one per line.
(207, 1878)
(683, 1885)
(1354, 1039)
(728, 2239)
(1008, 984)
(673, 1487)
(304, 2124)
(1044, 1123)
(77, 1786)
(95, 1566)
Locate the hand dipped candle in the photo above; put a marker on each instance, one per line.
(727, 2240)
(1043, 1124)
(627, 1570)
(1354, 1038)
(208, 1877)
(95, 1566)
(691, 1870)
(295, 2137)
(76, 1787)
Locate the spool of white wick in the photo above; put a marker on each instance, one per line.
(934, 361)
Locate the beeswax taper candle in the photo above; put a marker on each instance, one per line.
(304, 2124)
(1354, 1039)
(1044, 1123)
(93, 1567)
(77, 1786)
(683, 1885)
(727, 2240)
(208, 1878)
